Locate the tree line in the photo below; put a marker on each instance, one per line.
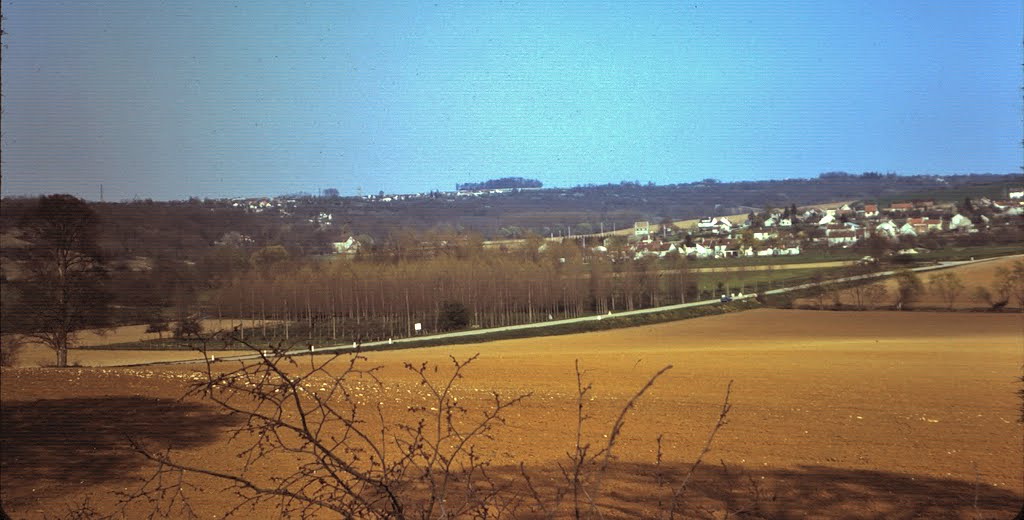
(379, 298)
(502, 183)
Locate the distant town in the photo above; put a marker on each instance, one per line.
(785, 231)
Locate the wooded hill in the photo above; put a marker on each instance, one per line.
(188, 230)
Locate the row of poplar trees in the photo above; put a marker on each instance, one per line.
(375, 297)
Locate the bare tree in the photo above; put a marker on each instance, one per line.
(64, 289)
(859, 294)
(908, 289)
(946, 286)
(1012, 280)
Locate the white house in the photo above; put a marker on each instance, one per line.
(642, 228)
(887, 229)
(826, 220)
(699, 251)
(842, 238)
(1017, 194)
(960, 222)
(723, 224)
(908, 230)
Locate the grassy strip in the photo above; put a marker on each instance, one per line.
(608, 323)
(966, 253)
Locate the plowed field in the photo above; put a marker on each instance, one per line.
(835, 415)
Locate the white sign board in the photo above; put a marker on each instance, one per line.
(418, 327)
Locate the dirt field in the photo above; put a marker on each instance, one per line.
(836, 415)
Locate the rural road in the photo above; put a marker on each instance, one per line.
(554, 323)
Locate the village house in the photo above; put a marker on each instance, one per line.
(724, 225)
(887, 229)
(833, 229)
(960, 223)
(788, 250)
(717, 225)
(641, 228)
(900, 207)
(870, 210)
(698, 251)
(924, 225)
(843, 237)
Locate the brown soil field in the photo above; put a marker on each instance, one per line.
(981, 274)
(835, 415)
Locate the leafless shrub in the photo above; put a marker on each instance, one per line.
(946, 286)
(82, 510)
(348, 457)
(680, 490)
(345, 453)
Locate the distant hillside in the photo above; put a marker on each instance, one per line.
(307, 224)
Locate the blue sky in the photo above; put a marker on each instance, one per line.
(206, 98)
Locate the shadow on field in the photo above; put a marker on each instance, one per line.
(633, 491)
(83, 441)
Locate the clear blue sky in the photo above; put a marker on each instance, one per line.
(169, 99)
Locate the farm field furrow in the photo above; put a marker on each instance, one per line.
(836, 414)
